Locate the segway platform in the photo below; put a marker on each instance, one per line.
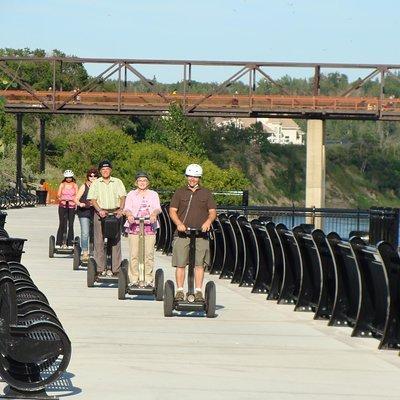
(93, 275)
(138, 290)
(59, 250)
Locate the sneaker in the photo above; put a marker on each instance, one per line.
(103, 273)
(179, 296)
(109, 272)
(198, 296)
(150, 285)
(133, 285)
(85, 256)
(64, 247)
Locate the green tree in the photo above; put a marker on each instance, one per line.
(79, 151)
(39, 75)
(177, 132)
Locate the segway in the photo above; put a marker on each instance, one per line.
(59, 250)
(111, 230)
(209, 303)
(77, 260)
(141, 289)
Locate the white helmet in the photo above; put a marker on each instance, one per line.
(194, 170)
(68, 173)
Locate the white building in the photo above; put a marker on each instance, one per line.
(280, 130)
(283, 131)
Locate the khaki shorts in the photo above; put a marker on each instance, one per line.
(180, 252)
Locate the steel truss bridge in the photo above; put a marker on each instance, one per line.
(215, 103)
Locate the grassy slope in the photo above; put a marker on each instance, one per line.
(345, 185)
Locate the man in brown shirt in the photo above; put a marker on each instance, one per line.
(191, 207)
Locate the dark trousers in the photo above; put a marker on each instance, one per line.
(66, 217)
(99, 254)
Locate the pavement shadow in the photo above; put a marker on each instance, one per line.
(195, 314)
(63, 387)
(140, 297)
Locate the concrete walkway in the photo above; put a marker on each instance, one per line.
(253, 349)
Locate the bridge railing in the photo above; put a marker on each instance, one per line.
(339, 220)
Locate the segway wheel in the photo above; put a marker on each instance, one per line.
(210, 298)
(52, 246)
(91, 272)
(159, 284)
(77, 257)
(169, 294)
(122, 283)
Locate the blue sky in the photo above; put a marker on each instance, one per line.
(345, 31)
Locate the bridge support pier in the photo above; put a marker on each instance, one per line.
(18, 178)
(315, 168)
(42, 144)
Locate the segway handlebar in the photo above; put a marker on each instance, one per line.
(146, 220)
(193, 231)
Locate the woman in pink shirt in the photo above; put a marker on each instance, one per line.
(141, 202)
(66, 210)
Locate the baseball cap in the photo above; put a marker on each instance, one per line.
(105, 163)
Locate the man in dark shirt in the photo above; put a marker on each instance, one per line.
(191, 207)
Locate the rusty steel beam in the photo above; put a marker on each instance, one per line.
(146, 81)
(317, 80)
(289, 113)
(271, 80)
(9, 72)
(361, 83)
(224, 84)
(200, 62)
(91, 85)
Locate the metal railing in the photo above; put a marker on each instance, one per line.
(342, 221)
(13, 198)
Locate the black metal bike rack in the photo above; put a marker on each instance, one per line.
(348, 282)
(290, 288)
(231, 248)
(217, 248)
(262, 283)
(35, 350)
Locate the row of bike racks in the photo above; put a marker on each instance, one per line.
(14, 199)
(35, 349)
(345, 282)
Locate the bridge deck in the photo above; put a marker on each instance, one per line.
(255, 105)
(254, 348)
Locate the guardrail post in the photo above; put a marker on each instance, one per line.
(245, 198)
(18, 182)
(293, 212)
(42, 144)
(245, 202)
